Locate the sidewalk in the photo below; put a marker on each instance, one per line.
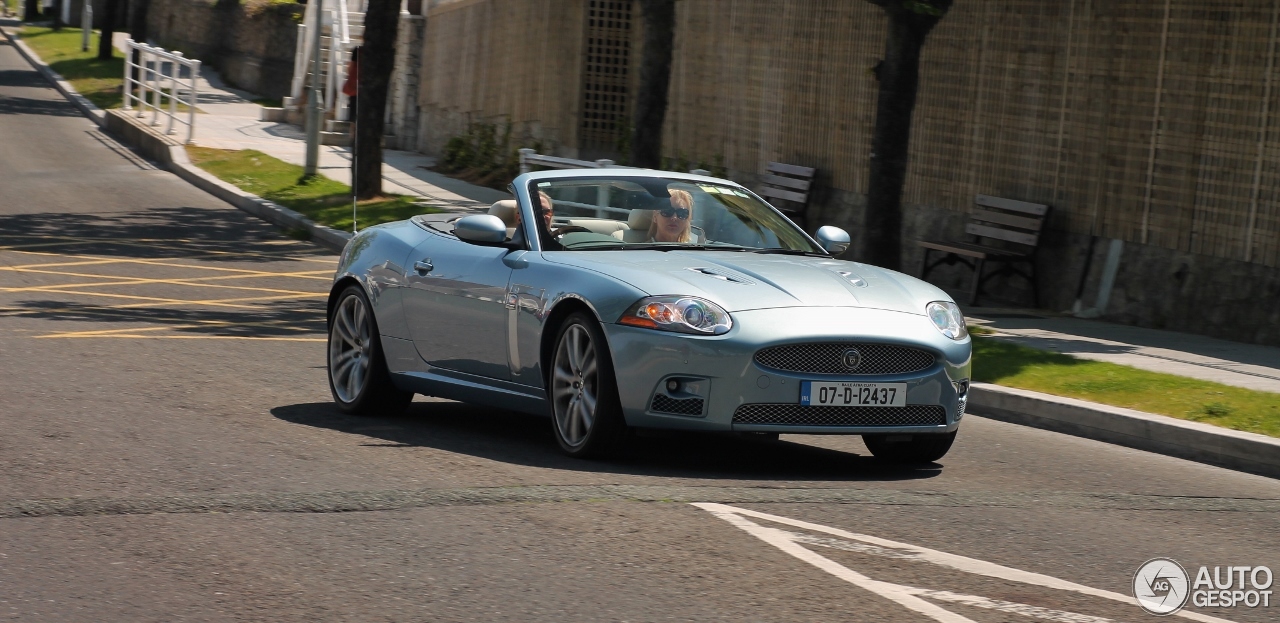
(230, 121)
(1231, 363)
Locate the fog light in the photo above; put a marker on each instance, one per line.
(673, 385)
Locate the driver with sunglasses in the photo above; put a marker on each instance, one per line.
(672, 223)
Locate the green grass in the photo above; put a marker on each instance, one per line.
(99, 81)
(319, 198)
(1003, 363)
(269, 102)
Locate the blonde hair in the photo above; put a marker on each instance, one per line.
(677, 196)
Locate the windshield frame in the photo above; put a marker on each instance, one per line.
(541, 240)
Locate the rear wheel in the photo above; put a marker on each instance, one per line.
(587, 415)
(358, 375)
(925, 448)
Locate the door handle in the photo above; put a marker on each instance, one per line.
(424, 266)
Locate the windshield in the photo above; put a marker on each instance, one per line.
(653, 213)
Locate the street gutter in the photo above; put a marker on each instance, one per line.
(1194, 441)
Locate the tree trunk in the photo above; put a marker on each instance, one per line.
(899, 75)
(655, 79)
(31, 11)
(137, 19)
(377, 62)
(57, 14)
(110, 15)
(137, 29)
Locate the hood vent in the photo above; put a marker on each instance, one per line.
(853, 279)
(721, 275)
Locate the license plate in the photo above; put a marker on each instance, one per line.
(815, 393)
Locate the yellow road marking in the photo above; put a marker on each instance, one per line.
(201, 324)
(201, 337)
(108, 332)
(100, 262)
(213, 302)
(309, 274)
(96, 259)
(127, 281)
(154, 243)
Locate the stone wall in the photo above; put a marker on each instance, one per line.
(503, 61)
(250, 44)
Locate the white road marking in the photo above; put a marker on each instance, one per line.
(907, 596)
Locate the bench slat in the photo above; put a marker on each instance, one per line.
(789, 182)
(1011, 205)
(778, 193)
(1021, 222)
(1001, 234)
(791, 169)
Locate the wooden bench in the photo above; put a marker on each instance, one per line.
(1005, 232)
(788, 183)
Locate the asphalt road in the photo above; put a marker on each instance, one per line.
(170, 453)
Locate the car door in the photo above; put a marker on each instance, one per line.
(455, 306)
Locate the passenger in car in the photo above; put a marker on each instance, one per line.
(672, 223)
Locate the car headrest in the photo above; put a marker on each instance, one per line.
(640, 219)
(507, 210)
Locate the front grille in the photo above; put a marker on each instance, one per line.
(802, 415)
(686, 406)
(829, 358)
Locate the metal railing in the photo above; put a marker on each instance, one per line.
(159, 77)
(335, 17)
(530, 158)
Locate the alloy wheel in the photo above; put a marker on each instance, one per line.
(350, 345)
(575, 385)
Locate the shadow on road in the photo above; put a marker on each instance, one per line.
(149, 233)
(285, 319)
(527, 440)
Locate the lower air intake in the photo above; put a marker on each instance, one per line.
(802, 415)
(667, 404)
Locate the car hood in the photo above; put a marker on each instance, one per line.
(739, 281)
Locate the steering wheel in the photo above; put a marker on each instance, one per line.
(569, 229)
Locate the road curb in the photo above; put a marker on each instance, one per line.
(1204, 443)
(174, 158)
(79, 101)
(269, 211)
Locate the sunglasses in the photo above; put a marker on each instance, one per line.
(680, 213)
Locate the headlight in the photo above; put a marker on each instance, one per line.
(947, 318)
(683, 314)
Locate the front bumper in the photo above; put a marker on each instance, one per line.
(721, 372)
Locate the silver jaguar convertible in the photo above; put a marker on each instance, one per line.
(616, 299)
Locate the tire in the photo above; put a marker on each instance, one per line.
(357, 370)
(586, 415)
(925, 448)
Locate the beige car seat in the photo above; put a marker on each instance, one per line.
(509, 212)
(606, 227)
(638, 222)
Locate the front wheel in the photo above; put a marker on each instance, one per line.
(587, 415)
(925, 448)
(358, 375)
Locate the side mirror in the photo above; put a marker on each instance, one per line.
(833, 239)
(484, 229)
